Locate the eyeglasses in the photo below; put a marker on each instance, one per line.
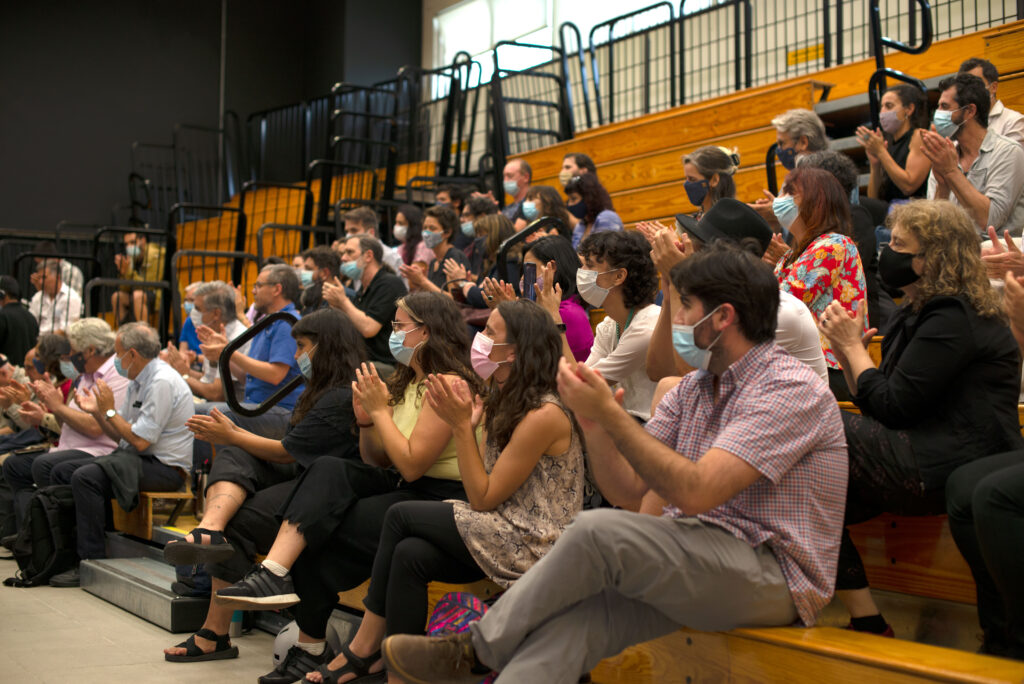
(260, 284)
(396, 326)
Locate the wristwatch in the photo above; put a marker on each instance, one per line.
(110, 413)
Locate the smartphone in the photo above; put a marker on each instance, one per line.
(530, 281)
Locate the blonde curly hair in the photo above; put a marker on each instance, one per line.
(952, 258)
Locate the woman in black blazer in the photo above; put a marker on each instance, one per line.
(944, 394)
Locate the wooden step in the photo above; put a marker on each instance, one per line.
(678, 127)
(798, 656)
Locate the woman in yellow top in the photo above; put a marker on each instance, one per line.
(333, 518)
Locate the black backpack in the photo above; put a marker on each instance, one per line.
(46, 543)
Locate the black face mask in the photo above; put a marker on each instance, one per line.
(895, 268)
(579, 210)
(78, 361)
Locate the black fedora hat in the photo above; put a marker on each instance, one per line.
(728, 219)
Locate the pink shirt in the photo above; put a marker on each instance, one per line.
(796, 507)
(71, 439)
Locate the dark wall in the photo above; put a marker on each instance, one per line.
(380, 37)
(80, 82)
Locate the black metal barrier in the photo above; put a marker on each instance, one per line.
(92, 309)
(877, 82)
(519, 238)
(309, 236)
(742, 41)
(294, 200)
(770, 158)
(25, 280)
(224, 366)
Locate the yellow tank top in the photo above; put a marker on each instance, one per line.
(405, 416)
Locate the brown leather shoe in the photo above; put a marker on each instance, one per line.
(433, 660)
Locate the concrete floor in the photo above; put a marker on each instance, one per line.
(61, 635)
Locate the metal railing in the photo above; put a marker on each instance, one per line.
(226, 378)
(285, 240)
(201, 265)
(877, 82)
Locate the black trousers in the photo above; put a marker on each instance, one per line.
(92, 491)
(884, 478)
(985, 502)
(339, 506)
(254, 526)
(419, 544)
(24, 472)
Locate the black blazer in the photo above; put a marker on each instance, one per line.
(951, 380)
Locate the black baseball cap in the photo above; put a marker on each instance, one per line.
(728, 219)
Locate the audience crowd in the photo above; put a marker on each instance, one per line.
(444, 407)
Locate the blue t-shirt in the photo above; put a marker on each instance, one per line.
(188, 335)
(274, 345)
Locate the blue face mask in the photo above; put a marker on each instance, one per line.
(396, 343)
(529, 210)
(432, 239)
(68, 370)
(943, 121)
(785, 210)
(511, 187)
(120, 368)
(352, 270)
(305, 365)
(188, 307)
(686, 346)
(305, 278)
(468, 230)
(787, 157)
(696, 191)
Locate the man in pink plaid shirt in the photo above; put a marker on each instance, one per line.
(750, 536)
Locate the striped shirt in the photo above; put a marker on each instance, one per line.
(775, 414)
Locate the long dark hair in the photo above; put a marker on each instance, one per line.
(593, 194)
(553, 205)
(413, 234)
(339, 351)
(824, 207)
(533, 374)
(445, 351)
(556, 248)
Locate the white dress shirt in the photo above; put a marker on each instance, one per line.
(56, 313)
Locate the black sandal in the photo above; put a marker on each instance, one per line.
(195, 552)
(193, 654)
(360, 667)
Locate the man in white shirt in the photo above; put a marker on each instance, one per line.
(1003, 121)
(213, 307)
(69, 273)
(55, 305)
(972, 165)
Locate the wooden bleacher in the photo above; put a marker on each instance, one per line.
(640, 161)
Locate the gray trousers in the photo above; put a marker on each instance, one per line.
(615, 579)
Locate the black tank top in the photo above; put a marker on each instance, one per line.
(899, 150)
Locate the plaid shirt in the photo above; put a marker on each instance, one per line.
(775, 414)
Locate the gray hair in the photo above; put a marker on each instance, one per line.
(283, 275)
(91, 332)
(141, 338)
(799, 123)
(218, 295)
(193, 286)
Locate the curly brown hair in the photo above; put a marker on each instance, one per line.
(445, 351)
(952, 260)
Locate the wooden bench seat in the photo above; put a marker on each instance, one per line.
(798, 656)
(485, 588)
(139, 522)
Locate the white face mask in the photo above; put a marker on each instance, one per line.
(197, 318)
(399, 232)
(586, 283)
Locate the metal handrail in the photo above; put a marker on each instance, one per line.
(583, 71)
(877, 83)
(304, 241)
(137, 284)
(610, 24)
(769, 168)
(228, 381)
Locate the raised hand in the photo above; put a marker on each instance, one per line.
(872, 141)
(549, 297)
(48, 394)
(334, 293)
(370, 391)
(1000, 258)
(845, 329)
(85, 401)
(215, 428)
(451, 400)
(667, 251)
(776, 249)
(32, 413)
(415, 275)
(454, 270)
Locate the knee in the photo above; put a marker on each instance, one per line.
(139, 297)
(960, 490)
(996, 496)
(589, 527)
(61, 474)
(86, 479)
(41, 472)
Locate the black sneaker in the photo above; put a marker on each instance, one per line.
(260, 590)
(68, 578)
(295, 665)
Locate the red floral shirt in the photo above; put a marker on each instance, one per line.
(828, 270)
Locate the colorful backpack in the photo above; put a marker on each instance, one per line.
(454, 613)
